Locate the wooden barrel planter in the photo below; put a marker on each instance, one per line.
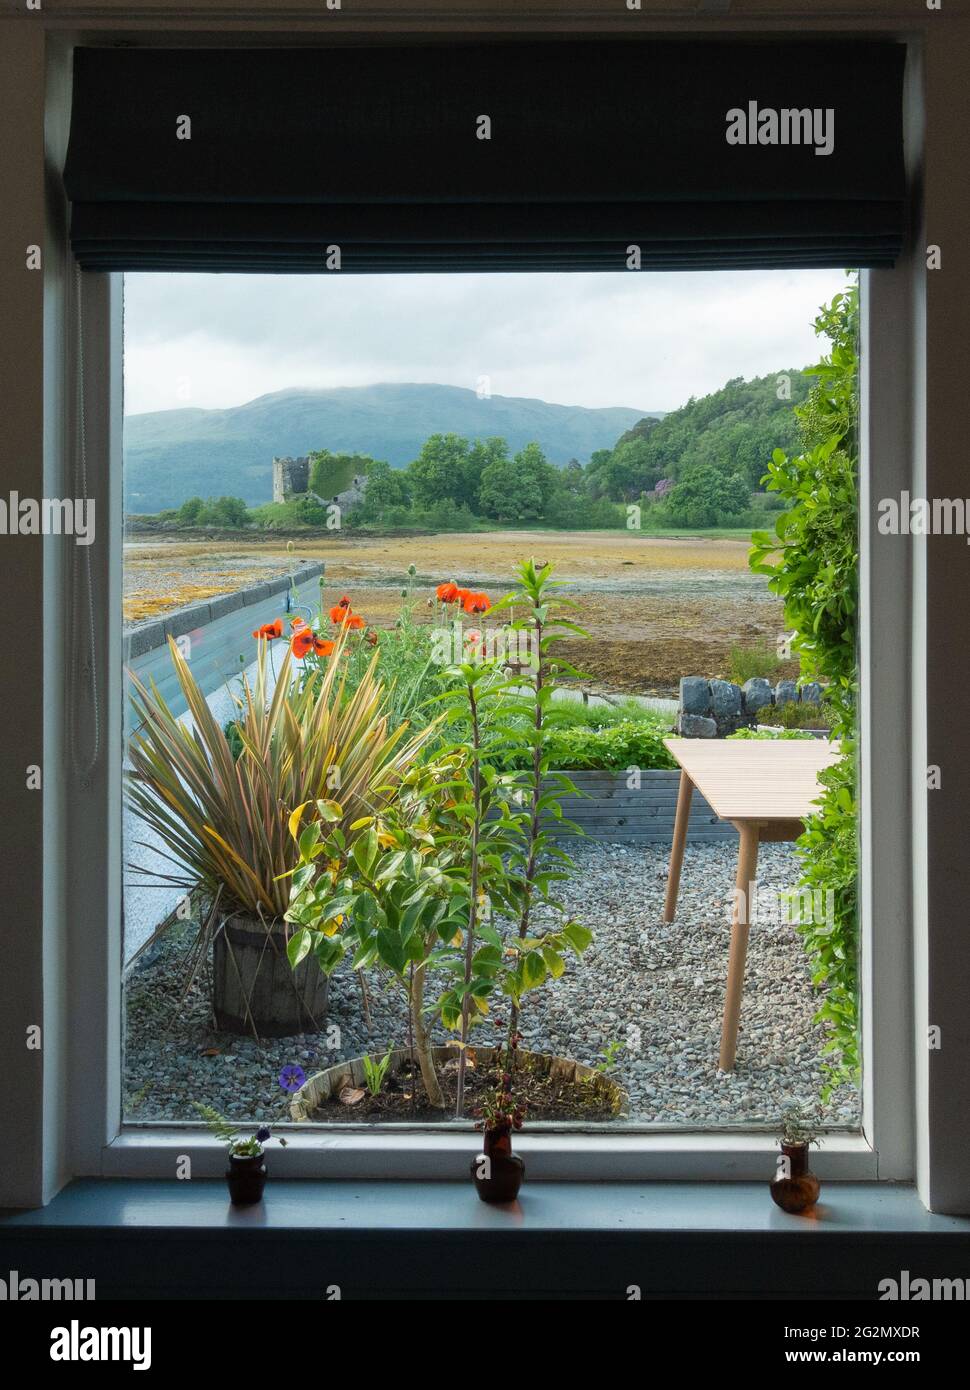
(255, 991)
(326, 1085)
(610, 810)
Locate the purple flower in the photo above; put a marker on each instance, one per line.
(292, 1078)
(262, 1134)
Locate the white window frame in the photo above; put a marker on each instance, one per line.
(82, 1102)
(883, 1149)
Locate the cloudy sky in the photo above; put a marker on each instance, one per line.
(635, 339)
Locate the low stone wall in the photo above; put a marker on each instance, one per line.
(716, 708)
(145, 637)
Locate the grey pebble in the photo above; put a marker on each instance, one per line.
(667, 981)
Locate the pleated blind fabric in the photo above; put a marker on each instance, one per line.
(699, 155)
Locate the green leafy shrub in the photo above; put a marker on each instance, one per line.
(575, 714)
(229, 512)
(628, 744)
(770, 733)
(812, 563)
(707, 496)
(190, 511)
(792, 715)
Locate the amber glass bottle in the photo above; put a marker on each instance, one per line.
(794, 1187)
(497, 1172)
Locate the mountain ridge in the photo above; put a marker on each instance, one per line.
(171, 455)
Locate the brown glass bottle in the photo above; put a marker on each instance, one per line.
(497, 1172)
(794, 1187)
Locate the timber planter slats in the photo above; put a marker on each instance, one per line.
(609, 809)
(254, 988)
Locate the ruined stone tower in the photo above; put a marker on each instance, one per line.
(290, 477)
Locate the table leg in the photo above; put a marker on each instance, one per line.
(677, 847)
(740, 924)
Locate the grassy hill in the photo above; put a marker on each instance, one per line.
(171, 455)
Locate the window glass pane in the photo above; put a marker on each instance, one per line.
(354, 469)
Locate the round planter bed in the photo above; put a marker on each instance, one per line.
(543, 1081)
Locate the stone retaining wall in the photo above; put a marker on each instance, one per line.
(716, 708)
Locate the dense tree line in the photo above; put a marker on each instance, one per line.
(733, 432)
(713, 451)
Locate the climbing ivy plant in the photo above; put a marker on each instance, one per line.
(812, 562)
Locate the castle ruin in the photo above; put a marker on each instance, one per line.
(291, 478)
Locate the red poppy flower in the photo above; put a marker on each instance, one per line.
(476, 603)
(447, 593)
(322, 647)
(339, 609)
(302, 642)
(270, 630)
(344, 618)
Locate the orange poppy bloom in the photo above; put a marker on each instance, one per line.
(323, 648)
(476, 603)
(270, 630)
(353, 622)
(339, 609)
(447, 593)
(297, 623)
(302, 642)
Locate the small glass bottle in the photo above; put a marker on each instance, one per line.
(794, 1187)
(497, 1172)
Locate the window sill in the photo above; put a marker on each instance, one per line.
(394, 1239)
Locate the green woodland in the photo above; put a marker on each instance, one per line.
(714, 450)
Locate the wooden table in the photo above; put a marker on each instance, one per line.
(765, 788)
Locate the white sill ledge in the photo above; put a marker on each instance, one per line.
(844, 1212)
(411, 1240)
(415, 1156)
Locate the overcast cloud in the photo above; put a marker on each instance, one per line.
(633, 338)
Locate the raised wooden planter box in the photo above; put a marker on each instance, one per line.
(610, 810)
(254, 989)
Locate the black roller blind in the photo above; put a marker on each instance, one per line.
(595, 147)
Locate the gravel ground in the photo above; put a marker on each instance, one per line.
(656, 989)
